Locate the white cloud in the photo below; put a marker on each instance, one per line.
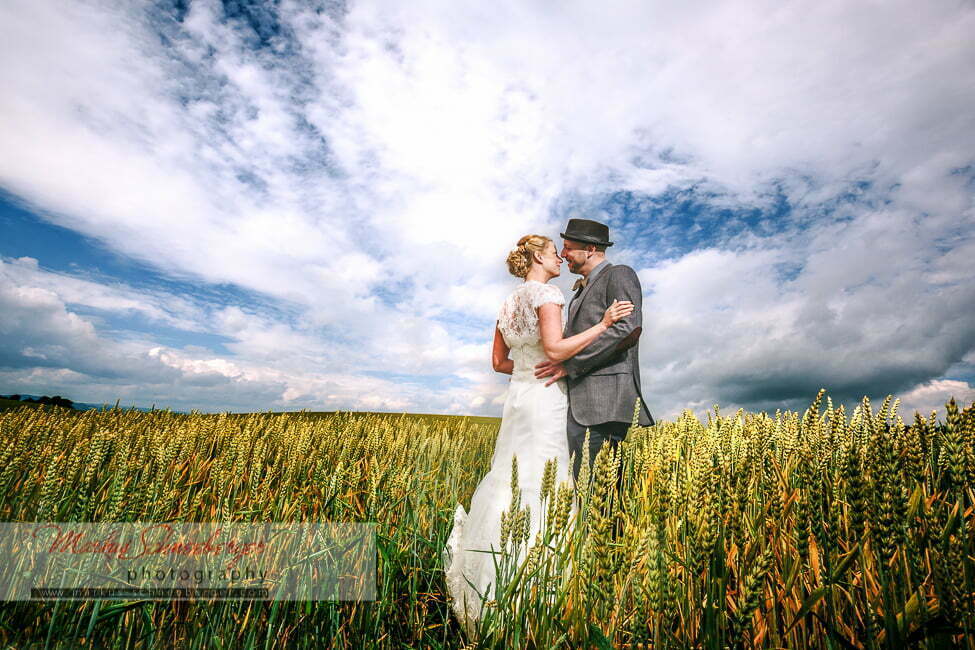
(371, 175)
(167, 309)
(39, 330)
(933, 395)
(272, 365)
(870, 312)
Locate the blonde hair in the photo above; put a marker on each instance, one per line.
(520, 257)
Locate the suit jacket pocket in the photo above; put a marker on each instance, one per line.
(612, 369)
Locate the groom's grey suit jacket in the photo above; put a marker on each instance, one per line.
(604, 378)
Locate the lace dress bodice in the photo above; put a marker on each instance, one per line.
(518, 322)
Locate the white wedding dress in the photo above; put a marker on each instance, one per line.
(533, 428)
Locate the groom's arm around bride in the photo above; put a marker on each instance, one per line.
(608, 353)
(604, 378)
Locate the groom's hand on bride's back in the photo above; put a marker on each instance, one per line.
(550, 369)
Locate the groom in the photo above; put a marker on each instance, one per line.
(604, 378)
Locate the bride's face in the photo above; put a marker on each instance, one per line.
(551, 261)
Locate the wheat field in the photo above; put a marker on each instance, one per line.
(822, 529)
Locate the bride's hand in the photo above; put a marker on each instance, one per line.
(617, 311)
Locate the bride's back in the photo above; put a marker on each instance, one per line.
(518, 323)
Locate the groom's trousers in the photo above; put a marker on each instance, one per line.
(614, 432)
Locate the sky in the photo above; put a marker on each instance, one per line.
(252, 206)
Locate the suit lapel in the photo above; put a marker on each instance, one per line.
(574, 307)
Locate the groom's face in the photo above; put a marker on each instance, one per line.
(575, 253)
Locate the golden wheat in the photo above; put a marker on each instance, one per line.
(748, 530)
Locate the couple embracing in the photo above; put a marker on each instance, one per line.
(565, 379)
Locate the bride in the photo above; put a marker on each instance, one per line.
(533, 421)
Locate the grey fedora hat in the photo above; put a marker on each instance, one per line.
(587, 232)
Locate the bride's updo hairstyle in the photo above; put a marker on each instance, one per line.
(520, 257)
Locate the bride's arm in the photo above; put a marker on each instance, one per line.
(499, 356)
(550, 325)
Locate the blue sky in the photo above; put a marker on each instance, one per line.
(252, 206)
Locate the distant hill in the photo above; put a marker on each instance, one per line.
(11, 401)
(45, 400)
